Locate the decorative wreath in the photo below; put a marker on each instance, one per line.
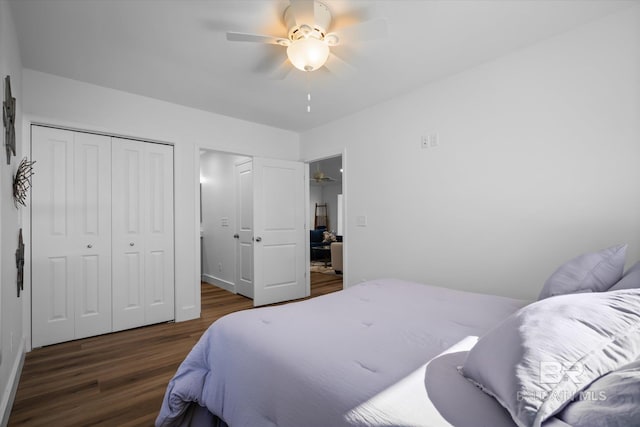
(22, 182)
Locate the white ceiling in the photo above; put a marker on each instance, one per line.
(176, 50)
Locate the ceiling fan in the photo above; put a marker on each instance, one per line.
(320, 177)
(310, 37)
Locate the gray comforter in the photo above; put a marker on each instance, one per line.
(382, 353)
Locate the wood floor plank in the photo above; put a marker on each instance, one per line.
(119, 379)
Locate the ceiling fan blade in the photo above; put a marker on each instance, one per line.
(364, 31)
(282, 71)
(267, 59)
(303, 12)
(256, 38)
(339, 67)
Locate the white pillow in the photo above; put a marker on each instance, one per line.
(592, 272)
(612, 400)
(630, 280)
(535, 361)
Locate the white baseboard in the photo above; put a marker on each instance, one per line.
(12, 385)
(224, 284)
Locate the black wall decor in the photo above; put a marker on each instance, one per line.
(9, 120)
(20, 263)
(22, 182)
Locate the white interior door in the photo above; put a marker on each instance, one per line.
(279, 231)
(244, 233)
(142, 235)
(158, 233)
(128, 233)
(52, 289)
(71, 241)
(92, 234)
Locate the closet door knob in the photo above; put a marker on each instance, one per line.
(89, 246)
(236, 236)
(131, 244)
(258, 239)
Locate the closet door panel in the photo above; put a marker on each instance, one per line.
(53, 245)
(128, 243)
(93, 233)
(159, 256)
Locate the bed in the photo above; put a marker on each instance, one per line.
(386, 353)
(337, 360)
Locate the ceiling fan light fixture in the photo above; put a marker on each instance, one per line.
(332, 39)
(308, 53)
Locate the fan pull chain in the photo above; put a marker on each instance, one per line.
(308, 93)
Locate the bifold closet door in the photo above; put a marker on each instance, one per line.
(71, 235)
(143, 259)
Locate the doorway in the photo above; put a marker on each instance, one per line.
(252, 226)
(326, 216)
(218, 215)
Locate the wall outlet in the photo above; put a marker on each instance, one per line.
(434, 140)
(424, 141)
(219, 267)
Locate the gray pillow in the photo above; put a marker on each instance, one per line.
(593, 272)
(536, 360)
(630, 280)
(612, 400)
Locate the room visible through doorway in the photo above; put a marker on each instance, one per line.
(326, 230)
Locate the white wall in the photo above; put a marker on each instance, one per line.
(217, 171)
(537, 162)
(330, 196)
(60, 101)
(11, 330)
(325, 193)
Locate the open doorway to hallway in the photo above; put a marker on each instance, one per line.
(218, 218)
(228, 190)
(326, 230)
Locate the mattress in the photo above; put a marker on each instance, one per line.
(381, 353)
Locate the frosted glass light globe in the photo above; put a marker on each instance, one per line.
(308, 54)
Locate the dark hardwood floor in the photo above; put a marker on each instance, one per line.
(119, 379)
